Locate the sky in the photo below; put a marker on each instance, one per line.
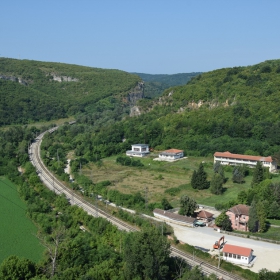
(144, 36)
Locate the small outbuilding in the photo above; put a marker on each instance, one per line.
(138, 150)
(171, 155)
(237, 254)
(205, 216)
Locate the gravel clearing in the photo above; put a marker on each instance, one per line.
(266, 254)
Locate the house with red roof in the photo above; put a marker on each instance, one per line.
(205, 216)
(239, 217)
(227, 158)
(171, 155)
(237, 254)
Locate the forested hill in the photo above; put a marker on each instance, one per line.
(235, 109)
(232, 109)
(32, 90)
(156, 84)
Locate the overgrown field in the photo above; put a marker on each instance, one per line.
(164, 179)
(17, 232)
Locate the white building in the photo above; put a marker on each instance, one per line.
(138, 150)
(237, 254)
(228, 158)
(170, 155)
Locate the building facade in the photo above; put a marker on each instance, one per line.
(237, 254)
(227, 158)
(171, 155)
(138, 150)
(239, 217)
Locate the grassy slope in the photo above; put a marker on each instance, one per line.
(132, 179)
(17, 232)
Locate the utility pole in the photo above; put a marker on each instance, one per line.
(80, 172)
(219, 259)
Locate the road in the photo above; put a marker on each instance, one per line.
(55, 185)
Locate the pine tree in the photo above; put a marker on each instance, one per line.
(262, 215)
(237, 175)
(253, 223)
(194, 180)
(201, 175)
(216, 185)
(258, 175)
(274, 211)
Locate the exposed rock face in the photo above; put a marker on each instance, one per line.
(63, 78)
(13, 79)
(134, 111)
(136, 94)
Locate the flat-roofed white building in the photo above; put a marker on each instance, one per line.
(138, 150)
(171, 154)
(227, 158)
(237, 254)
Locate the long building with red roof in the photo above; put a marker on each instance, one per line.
(227, 158)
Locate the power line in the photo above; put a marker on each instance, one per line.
(12, 202)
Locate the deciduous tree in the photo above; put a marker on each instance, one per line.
(187, 206)
(146, 255)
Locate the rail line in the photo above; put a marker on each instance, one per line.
(55, 185)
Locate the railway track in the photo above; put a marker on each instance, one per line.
(55, 185)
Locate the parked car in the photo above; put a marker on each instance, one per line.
(199, 224)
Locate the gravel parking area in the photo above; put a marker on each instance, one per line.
(266, 254)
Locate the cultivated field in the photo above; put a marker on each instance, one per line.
(17, 232)
(161, 176)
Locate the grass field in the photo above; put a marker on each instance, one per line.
(17, 232)
(160, 176)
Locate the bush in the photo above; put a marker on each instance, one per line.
(127, 161)
(172, 191)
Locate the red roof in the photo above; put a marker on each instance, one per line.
(237, 156)
(204, 214)
(173, 151)
(237, 250)
(240, 209)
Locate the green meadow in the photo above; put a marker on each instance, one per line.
(17, 232)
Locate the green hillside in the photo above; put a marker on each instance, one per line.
(33, 91)
(156, 84)
(232, 109)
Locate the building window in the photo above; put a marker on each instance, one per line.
(226, 254)
(234, 256)
(230, 255)
(238, 257)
